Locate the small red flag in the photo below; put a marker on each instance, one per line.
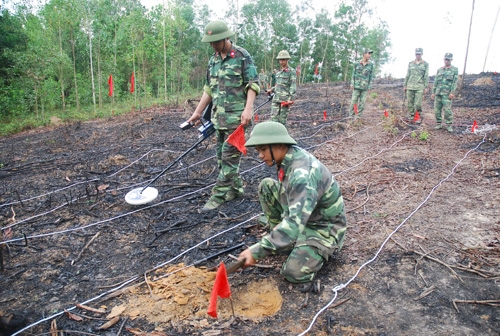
(417, 116)
(237, 139)
(324, 115)
(316, 72)
(110, 82)
(256, 118)
(355, 108)
(132, 83)
(386, 114)
(221, 288)
(474, 127)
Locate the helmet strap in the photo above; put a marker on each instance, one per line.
(272, 155)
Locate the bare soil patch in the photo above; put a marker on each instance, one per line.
(64, 187)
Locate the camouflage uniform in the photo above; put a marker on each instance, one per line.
(228, 81)
(417, 79)
(305, 212)
(444, 84)
(361, 82)
(284, 90)
(263, 81)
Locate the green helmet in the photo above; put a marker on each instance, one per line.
(283, 54)
(269, 132)
(216, 31)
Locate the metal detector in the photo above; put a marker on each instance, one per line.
(146, 194)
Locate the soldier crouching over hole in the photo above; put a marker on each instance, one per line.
(304, 207)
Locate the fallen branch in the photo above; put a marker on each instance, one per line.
(85, 247)
(440, 262)
(495, 303)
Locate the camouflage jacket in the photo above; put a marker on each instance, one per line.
(263, 77)
(445, 81)
(362, 76)
(417, 76)
(227, 83)
(285, 85)
(313, 208)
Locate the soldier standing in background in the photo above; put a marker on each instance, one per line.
(231, 85)
(284, 89)
(303, 208)
(263, 80)
(361, 79)
(443, 92)
(416, 83)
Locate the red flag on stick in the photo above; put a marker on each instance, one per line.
(474, 127)
(417, 116)
(355, 108)
(132, 83)
(237, 139)
(110, 82)
(256, 118)
(221, 288)
(316, 71)
(386, 114)
(324, 115)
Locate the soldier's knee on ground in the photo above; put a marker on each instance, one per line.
(302, 264)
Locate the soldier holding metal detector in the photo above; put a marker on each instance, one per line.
(231, 86)
(303, 207)
(284, 89)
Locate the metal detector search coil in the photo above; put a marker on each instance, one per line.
(140, 195)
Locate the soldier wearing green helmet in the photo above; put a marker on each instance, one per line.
(416, 83)
(284, 89)
(303, 208)
(443, 92)
(231, 86)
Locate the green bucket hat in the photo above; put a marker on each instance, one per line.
(269, 132)
(216, 31)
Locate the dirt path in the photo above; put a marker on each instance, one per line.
(437, 275)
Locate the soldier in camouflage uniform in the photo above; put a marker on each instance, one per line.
(263, 80)
(232, 85)
(416, 83)
(284, 89)
(443, 92)
(303, 208)
(361, 82)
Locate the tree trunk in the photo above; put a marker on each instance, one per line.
(92, 72)
(467, 50)
(61, 78)
(99, 72)
(77, 98)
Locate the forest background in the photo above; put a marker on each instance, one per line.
(57, 57)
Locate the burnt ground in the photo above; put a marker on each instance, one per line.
(63, 188)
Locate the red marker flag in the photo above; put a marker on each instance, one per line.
(324, 115)
(110, 82)
(316, 72)
(237, 139)
(474, 127)
(386, 114)
(221, 288)
(355, 108)
(417, 116)
(256, 118)
(132, 83)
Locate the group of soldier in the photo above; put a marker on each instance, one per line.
(415, 85)
(303, 207)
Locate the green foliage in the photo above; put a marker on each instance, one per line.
(57, 60)
(424, 135)
(390, 124)
(373, 95)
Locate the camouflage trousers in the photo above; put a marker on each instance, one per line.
(358, 98)
(228, 160)
(443, 104)
(304, 261)
(414, 98)
(279, 113)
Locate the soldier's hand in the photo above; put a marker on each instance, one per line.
(432, 96)
(246, 116)
(249, 260)
(451, 96)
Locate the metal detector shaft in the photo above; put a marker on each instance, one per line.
(264, 103)
(175, 161)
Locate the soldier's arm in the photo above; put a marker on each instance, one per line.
(407, 76)
(303, 198)
(293, 85)
(455, 81)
